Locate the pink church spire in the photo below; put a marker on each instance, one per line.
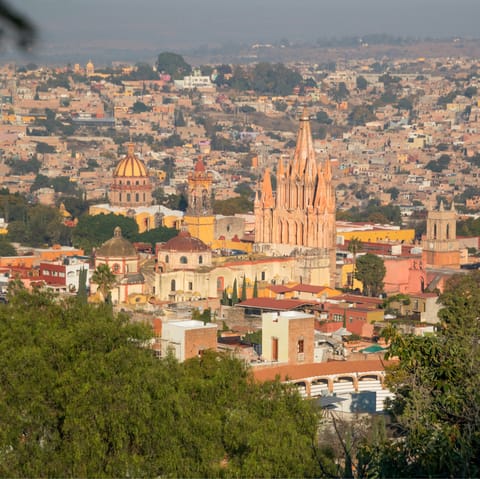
(304, 164)
(267, 194)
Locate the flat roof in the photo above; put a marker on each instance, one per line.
(191, 324)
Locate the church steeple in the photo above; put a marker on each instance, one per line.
(267, 199)
(301, 215)
(304, 164)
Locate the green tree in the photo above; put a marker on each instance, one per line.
(437, 387)
(238, 204)
(173, 64)
(274, 79)
(234, 298)
(354, 247)
(82, 285)
(92, 231)
(243, 294)
(370, 270)
(439, 164)
(255, 288)
(361, 82)
(6, 248)
(340, 93)
(156, 235)
(105, 280)
(470, 92)
(40, 225)
(360, 115)
(82, 396)
(323, 118)
(140, 107)
(394, 192)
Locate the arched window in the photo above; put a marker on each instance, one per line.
(220, 283)
(200, 259)
(448, 231)
(120, 196)
(173, 285)
(167, 259)
(137, 197)
(434, 231)
(183, 260)
(129, 197)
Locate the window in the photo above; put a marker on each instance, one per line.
(300, 346)
(137, 197)
(200, 259)
(183, 260)
(262, 276)
(129, 197)
(190, 286)
(173, 285)
(167, 259)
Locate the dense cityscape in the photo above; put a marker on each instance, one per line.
(261, 268)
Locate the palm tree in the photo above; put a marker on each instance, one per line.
(354, 247)
(104, 278)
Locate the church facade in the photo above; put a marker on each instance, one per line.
(299, 218)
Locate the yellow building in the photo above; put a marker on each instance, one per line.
(131, 195)
(199, 219)
(373, 233)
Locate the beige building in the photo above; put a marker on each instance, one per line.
(186, 270)
(288, 337)
(188, 339)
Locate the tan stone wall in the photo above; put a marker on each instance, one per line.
(442, 258)
(199, 340)
(301, 329)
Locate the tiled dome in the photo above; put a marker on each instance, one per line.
(130, 166)
(185, 242)
(116, 247)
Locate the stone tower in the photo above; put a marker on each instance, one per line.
(440, 245)
(199, 218)
(300, 218)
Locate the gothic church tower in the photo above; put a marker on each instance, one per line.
(300, 218)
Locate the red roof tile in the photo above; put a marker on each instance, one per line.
(274, 304)
(307, 288)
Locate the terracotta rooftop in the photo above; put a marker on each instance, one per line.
(301, 371)
(274, 304)
(184, 241)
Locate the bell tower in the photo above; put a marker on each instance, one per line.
(440, 245)
(199, 218)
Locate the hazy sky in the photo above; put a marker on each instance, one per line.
(155, 25)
